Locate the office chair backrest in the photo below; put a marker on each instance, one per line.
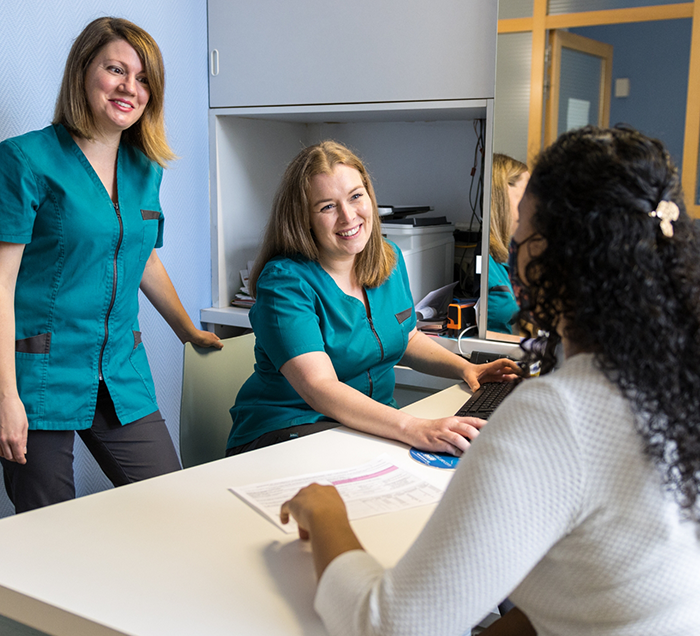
(211, 379)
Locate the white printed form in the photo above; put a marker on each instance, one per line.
(373, 488)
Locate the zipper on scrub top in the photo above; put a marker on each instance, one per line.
(381, 348)
(114, 285)
(376, 335)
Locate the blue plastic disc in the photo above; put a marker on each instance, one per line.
(438, 460)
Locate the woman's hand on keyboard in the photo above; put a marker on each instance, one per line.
(446, 435)
(501, 370)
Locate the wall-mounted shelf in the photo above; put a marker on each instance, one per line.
(229, 316)
(418, 152)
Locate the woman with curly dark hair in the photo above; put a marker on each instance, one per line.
(580, 499)
(628, 288)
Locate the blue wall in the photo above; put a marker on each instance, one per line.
(655, 57)
(35, 37)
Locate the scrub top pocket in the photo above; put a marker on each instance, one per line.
(31, 364)
(149, 234)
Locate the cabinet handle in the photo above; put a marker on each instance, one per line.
(214, 62)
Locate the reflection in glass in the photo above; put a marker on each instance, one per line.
(509, 178)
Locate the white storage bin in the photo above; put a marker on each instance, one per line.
(429, 254)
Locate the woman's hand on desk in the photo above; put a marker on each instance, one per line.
(312, 376)
(446, 435)
(502, 370)
(424, 354)
(322, 518)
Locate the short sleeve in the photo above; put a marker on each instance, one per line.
(159, 240)
(19, 195)
(284, 318)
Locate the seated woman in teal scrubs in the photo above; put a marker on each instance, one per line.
(510, 177)
(80, 219)
(334, 314)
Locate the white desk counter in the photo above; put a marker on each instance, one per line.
(181, 555)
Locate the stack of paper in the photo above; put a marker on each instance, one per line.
(243, 297)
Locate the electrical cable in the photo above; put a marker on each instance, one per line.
(459, 341)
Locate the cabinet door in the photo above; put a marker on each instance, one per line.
(290, 52)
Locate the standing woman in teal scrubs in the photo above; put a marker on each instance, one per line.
(80, 219)
(334, 314)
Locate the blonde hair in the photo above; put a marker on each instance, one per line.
(288, 231)
(506, 172)
(72, 108)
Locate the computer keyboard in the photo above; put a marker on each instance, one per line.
(485, 400)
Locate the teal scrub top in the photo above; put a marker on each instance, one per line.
(502, 305)
(299, 309)
(76, 298)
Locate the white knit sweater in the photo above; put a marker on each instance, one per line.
(554, 505)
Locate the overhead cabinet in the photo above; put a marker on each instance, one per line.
(282, 52)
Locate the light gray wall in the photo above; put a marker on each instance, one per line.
(35, 37)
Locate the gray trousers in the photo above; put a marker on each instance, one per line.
(126, 454)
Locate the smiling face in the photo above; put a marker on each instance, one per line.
(340, 215)
(116, 87)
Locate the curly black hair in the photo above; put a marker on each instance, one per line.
(625, 291)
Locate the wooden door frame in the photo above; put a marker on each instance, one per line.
(691, 139)
(540, 23)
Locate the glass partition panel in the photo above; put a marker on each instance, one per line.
(512, 103)
(557, 7)
(508, 9)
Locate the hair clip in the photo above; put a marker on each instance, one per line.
(667, 212)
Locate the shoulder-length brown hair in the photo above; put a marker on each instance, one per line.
(72, 109)
(288, 231)
(506, 172)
